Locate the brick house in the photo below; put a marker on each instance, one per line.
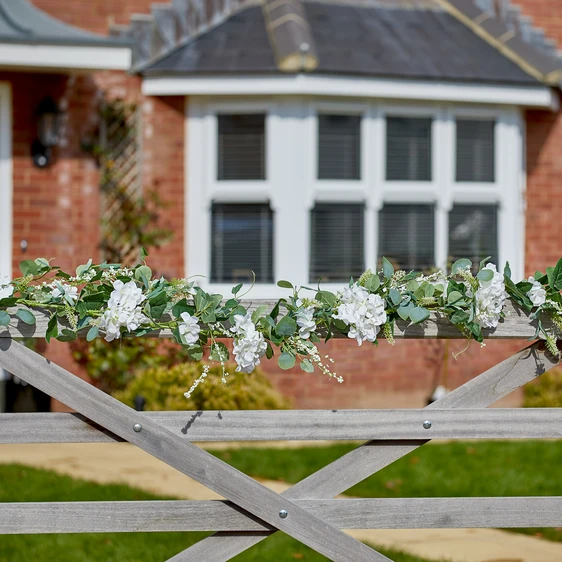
(298, 140)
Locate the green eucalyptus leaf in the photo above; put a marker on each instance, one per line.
(453, 297)
(507, 270)
(26, 316)
(144, 274)
(29, 267)
(286, 361)
(395, 296)
(404, 311)
(387, 268)
(258, 313)
(428, 289)
(557, 276)
(52, 328)
(372, 283)
(285, 284)
(307, 366)
(459, 317)
(326, 298)
(93, 333)
(83, 268)
(483, 262)
(413, 286)
(419, 314)
(461, 264)
(269, 351)
(286, 326)
(67, 335)
(485, 275)
(4, 318)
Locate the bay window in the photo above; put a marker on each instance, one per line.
(292, 189)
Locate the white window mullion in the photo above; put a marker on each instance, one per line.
(288, 194)
(444, 146)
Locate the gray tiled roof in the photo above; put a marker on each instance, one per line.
(21, 22)
(413, 39)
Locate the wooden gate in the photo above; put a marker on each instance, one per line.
(306, 511)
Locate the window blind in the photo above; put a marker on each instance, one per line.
(241, 147)
(407, 236)
(242, 242)
(339, 147)
(408, 149)
(337, 242)
(473, 233)
(475, 150)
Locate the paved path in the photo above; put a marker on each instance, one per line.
(124, 463)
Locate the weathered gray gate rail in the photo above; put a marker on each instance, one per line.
(306, 511)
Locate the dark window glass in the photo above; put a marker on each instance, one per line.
(242, 237)
(339, 147)
(241, 150)
(408, 149)
(407, 236)
(473, 233)
(475, 150)
(336, 249)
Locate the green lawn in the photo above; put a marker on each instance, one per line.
(20, 483)
(490, 468)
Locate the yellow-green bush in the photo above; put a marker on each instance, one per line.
(545, 391)
(163, 389)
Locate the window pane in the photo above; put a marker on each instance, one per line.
(408, 149)
(242, 237)
(407, 236)
(475, 150)
(473, 233)
(241, 150)
(336, 248)
(339, 147)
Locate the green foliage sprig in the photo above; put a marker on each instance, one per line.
(115, 301)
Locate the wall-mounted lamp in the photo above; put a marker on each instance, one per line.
(48, 132)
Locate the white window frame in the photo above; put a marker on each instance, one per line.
(292, 186)
(6, 179)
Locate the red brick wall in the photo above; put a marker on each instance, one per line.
(56, 210)
(94, 15)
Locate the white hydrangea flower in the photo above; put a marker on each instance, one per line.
(490, 298)
(123, 310)
(363, 312)
(189, 328)
(6, 290)
(536, 293)
(305, 322)
(249, 343)
(62, 290)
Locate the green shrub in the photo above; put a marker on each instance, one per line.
(545, 391)
(113, 365)
(163, 389)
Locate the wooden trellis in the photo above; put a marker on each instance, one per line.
(306, 511)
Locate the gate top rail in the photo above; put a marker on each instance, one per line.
(515, 325)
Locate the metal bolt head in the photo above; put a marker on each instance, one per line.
(283, 513)
(137, 427)
(427, 424)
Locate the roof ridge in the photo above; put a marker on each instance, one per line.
(503, 26)
(170, 26)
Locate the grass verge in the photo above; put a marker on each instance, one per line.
(24, 484)
(484, 468)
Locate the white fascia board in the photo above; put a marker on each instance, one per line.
(64, 57)
(355, 87)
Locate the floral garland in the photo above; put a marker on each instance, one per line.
(115, 301)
